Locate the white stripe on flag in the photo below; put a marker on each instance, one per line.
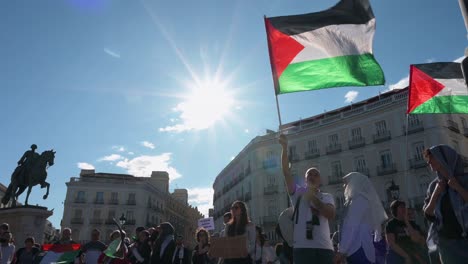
(452, 87)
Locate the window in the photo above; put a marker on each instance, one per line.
(292, 151)
(130, 216)
(381, 127)
(336, 170)
(271, 180)
(356, 133)
(97, 214)
(333, 140)
(418, 148)
(131, 198)
(413, 120)
(312, 145)
(78, 213)
(111, 214)
(99, 197)
(360, 163)
(463, 121)
(114, 196)
(80, 196)
(386, 159)
(272, 208)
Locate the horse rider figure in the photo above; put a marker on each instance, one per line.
(25, 164)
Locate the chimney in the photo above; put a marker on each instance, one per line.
(181, 195)
(87, 173)
(160, 179)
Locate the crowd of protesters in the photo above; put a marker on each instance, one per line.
(366, 234)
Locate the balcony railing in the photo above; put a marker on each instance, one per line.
(113, 201)
(80, 200)
(335, 148)
(95, 221)
(270, 189)
(414, 127)
(417, 163)
(357, 143)
(312, 153)
(77, 220)
(364, 171)
(382, 136)
(270, 220)
(385, 170)
(131, 202)
(452, 125)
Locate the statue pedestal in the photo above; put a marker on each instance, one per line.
(25, 221)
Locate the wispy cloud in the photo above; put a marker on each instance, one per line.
(131, 153)
(112, 53)
(202, 198)
(112, 157)
(351, 96)
(85, 166)
(400, 84)
(147, 144)
(144, 165)
(118, 148)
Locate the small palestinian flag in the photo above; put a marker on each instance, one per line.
(437, 88)
(331, 48)
(60, 253)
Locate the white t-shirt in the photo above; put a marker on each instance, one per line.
(7, 253)
(321, 233)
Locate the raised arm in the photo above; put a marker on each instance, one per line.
(285, 165)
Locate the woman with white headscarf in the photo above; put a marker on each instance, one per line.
(364, 215)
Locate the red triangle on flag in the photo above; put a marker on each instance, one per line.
(421, 89)
(282, 47)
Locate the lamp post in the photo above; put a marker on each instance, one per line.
(394, 191)
(122, 220)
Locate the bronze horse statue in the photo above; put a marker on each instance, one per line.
(27, 178)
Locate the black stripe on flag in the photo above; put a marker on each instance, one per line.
(345, 12)
(442, 70)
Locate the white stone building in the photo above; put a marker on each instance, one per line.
(94, 199)
(368, 136)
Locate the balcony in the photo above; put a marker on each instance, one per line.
(312, 153)
(452, 125)
(270, 220)
(247, 197)
(77, 220)
(382, 136)
(131, 202)
(358, 142)
(113, 201)
(364, 171)
(270, 189)
(334, 148)
(99, 201)
(385, 170)
(95, 221)
(293, 157)
(80, 200)
(417, 163)
(414, 127)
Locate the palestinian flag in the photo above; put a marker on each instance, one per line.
(60, 253)
(437, 88)
(331, 48)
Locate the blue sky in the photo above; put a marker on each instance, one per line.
(116, 85)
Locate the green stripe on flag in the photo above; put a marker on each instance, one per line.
(444, 105)
(352, 70)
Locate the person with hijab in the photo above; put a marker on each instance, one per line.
(364, 215)
(164, 246)
(446, 205)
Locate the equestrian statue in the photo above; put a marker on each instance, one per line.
(31, 171)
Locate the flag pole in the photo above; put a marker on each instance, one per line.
(279, 113)
(406, 180)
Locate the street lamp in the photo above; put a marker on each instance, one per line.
(394, 191)
(122, 220)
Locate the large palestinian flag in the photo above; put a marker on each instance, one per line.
(437, 88)
(331, 48)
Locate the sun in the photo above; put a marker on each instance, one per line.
(209, 101)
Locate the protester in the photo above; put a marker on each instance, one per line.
(182, 255)
(226, 218)
(363, 215)
(314, 210)
(240, 225)
(164, 246)
(66, 239)
(7, 249)
(27, 254)
(263, 253)
(445, 204)
(94, 248)
(116, 252)
(140, 250)
(200, 252)
(5, 227)
(402, 238)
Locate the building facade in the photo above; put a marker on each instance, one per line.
(374, 137)
(94, 199)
